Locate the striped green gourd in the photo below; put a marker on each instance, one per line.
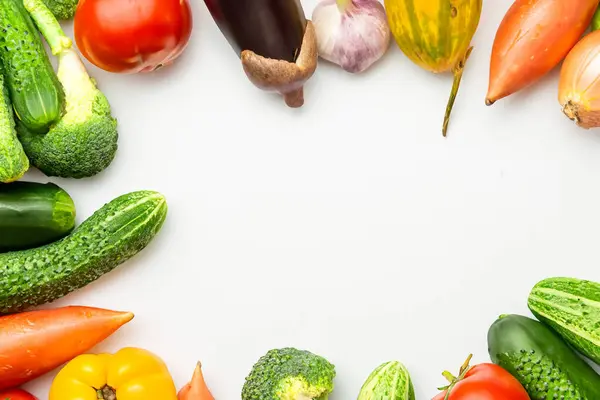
(389, 381)
(571, 307)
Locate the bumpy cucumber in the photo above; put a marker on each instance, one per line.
(545, 365)
(112, 235)
(389, 381)
(571, 307)
(13, 160)
(34, 214)
(36, 93)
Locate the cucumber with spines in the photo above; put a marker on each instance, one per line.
(544, 364)
(116, 232)
(37, 95)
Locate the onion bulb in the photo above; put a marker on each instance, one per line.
(579, 85)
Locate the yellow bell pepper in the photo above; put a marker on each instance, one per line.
(129, 374)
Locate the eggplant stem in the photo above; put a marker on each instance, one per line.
(295, 98)
(458, 73)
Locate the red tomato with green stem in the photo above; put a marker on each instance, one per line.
(16, 394)
(134, 35)
(482, 382)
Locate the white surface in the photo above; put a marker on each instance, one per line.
(349, 227)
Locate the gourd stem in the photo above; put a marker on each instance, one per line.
(458, 73)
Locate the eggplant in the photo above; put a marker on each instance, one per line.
(275, 42)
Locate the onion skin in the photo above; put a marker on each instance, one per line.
(275, 42)
(579, 84)
(533, 38)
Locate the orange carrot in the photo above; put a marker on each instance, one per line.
(36, 342)
(196, 389)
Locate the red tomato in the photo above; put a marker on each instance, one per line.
(484, 382)
(16, 394)
(131, 36)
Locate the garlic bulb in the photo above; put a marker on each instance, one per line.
(353, 34)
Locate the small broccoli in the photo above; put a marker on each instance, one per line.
(289, 374)
(62, 9)
(84, 140)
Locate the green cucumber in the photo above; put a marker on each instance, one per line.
(545, 365)
(389, 381)
(36, 93)
(34, 214)
(571, 307)
(116, 232)
(13, 160)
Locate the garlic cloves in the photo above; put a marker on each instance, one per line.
(353, 34)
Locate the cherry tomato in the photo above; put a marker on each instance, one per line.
(483, 382)
(16, 394)
(131, 36)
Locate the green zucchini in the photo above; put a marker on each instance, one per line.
(389, 381)
(113, 234)
(571, 307)
(37, 95)
(545, 365)
(34, 214)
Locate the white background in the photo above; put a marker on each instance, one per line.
(349, 227)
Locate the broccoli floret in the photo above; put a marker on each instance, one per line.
(62, 9)
(289, 374)
(84, 140)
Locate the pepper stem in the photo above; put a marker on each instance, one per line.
(106, 393)
(458, 73)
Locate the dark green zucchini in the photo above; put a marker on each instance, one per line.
(36, 93)
(545, 365)
(34, 214)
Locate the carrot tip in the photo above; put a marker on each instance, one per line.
(489, 102)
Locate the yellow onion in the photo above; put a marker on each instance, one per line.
(579, 85)
(436, 35)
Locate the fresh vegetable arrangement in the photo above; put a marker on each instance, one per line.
(61, 123)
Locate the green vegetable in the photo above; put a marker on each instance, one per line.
(36, 93)
(389, 381)
(596, 20)
(572, 308)
(112, 235)
(13, 161)
(545, 365)
(289, 374)
(34, 214)
(62, 9)
(84, 141)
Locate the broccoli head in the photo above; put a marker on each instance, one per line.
(83, 141)
(289, 374)
(62, 9)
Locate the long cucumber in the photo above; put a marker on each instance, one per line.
(37, 95)
(112, 235)
(544, 364)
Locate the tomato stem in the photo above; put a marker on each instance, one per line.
(458, 73)
(454, 380)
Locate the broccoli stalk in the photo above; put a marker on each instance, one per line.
(289, 374)
(84, 140)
